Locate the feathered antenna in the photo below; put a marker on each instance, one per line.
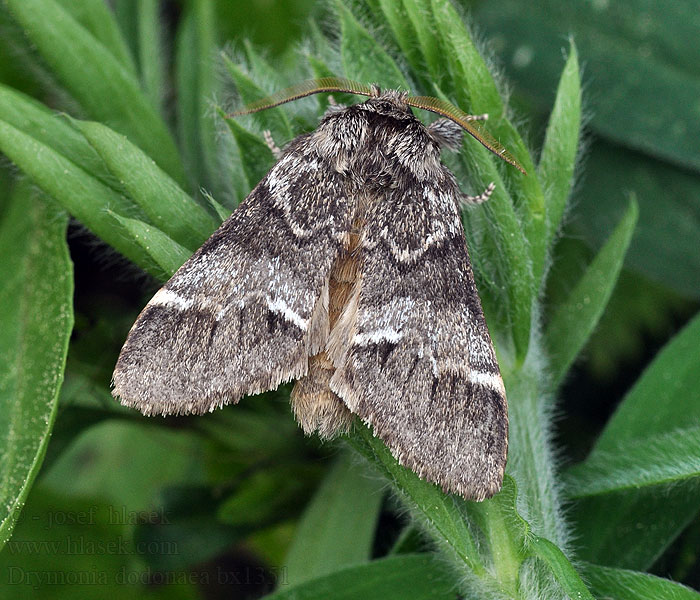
(469, 123)
(307, 88)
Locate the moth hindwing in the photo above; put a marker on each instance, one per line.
(346, 269)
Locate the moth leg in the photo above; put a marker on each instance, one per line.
(274, 148)
(449, 134)
(467, 200)
(446, 133)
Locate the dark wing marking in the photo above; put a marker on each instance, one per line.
(420, 367)
(236, 318)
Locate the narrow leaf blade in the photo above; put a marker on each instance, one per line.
(337, 528)
(364, 60)
(558, 159)
(561, 568)
(641, 65)
(78, 192)
(574, 321)
(402, 29)
(151, 52)
(104, 87)
(420, 16)
(622, 584)
(427, 501)
(196, 85)
(256, 156)
(642, 521)
(165, 252)
(274, 119)
(664, 398)
(664, 459)
(35, 327)
(97, 18)
(414, 576)
(42, 124)
(167, 206)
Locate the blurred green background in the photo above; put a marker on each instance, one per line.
(641, 76)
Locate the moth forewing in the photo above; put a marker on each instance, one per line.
(345, 269)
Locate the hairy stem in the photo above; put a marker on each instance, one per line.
(531, 457)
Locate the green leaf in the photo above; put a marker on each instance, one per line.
(320, 69)
(35, 326)
(621, 584)
(511, 541)
(420, 16)
(644, 522)
(573, 321)
(166, 205)
(273, 119)
(474, 87)
(42, 124)
(641, 78)
(404, 34)
(256, 156)
(264, 69)
(409, 540)
(337, 528)
(517, 241)
(268, 495)
(165, 252)
(641, 65)
(96, 17)
(662, 459)
(509, 251)
(664, 248)
(472, 82)
(196, 47)
(71, 547)
(105, 89)
(78, 192)
(364, 59)
(638, 311)
(632, 529)
(435, 510)
(561, 568)
(184, 522)
(664, 398)
(75, 419)
(126, 15)
(414, 576)
(262, 435)
(494, 229)
(151, 52)
(558, 158)
(173, 456)
(221, 211)
(320, 51)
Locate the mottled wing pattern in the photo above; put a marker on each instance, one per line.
(236, 318)
(420, 367)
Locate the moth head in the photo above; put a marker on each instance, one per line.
(391, 103)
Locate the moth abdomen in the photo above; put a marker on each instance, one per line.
(315, 406)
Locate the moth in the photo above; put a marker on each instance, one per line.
(345, 269)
